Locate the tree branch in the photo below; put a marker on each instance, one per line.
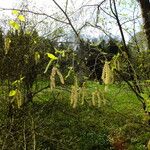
(115, 13)
(69, 21)
(36, 13)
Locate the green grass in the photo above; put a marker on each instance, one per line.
(59, 126)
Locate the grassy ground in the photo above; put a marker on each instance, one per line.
(118, 124)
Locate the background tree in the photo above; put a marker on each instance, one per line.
(49, 122)
(1, 53)
(145, 8)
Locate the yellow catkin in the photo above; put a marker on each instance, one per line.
(74, 94)
(83, 93)
(83, 96)
(93, 99)
(103, 98)
(60, 76)
(115, 62)
(118, 65)
(74, 97)
(98, 98)
(107, 75)
(18, 99)
(7, 44)
(75, 100)
(52, 84)
(52, 78)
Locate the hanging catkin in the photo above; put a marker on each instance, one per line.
(98, 98)
(17, 100)
(115, 63)
(74, 94)
(60, 76)
(52, 77)
(7, 44)
(83, 93)
(93, 99)
(107, 75)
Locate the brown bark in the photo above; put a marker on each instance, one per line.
(145, 8)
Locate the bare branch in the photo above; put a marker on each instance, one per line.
(70, 23)
(36, 13)
(97, 5)
(66, 6)
(95, 26)
(115, 13)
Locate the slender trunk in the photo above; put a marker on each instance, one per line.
(145, 8)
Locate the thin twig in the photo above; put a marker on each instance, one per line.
(36, 13)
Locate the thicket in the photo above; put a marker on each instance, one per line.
(23, 61)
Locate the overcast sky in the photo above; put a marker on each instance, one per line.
(79, 17)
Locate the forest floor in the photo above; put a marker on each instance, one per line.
(118, 123)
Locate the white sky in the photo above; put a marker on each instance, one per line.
(47, 6)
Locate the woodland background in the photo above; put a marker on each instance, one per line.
(63, 88)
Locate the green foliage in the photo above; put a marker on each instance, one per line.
(93, 56)
(21, 18)
(51, 56)
(143, 65)
(15, 12)
(49, 117)
(58, 126)
(14, 25)
(61, 52)
(49, 122)
(146, 98)
(12, 93)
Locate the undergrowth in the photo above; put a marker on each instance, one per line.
(50, 123)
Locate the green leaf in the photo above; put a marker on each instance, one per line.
(148, 81)
(69, 72)
(148, 105)
(51, 56)
(17, 81)
(21, 18)
(145, 96)
(12, 93)
(15, 12)
(61, 52)
(14, 24)
(28, 32)
(48, 65)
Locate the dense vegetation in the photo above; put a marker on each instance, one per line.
(91, 96)
(44, 119)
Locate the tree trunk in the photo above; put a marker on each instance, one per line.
(145, 8)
